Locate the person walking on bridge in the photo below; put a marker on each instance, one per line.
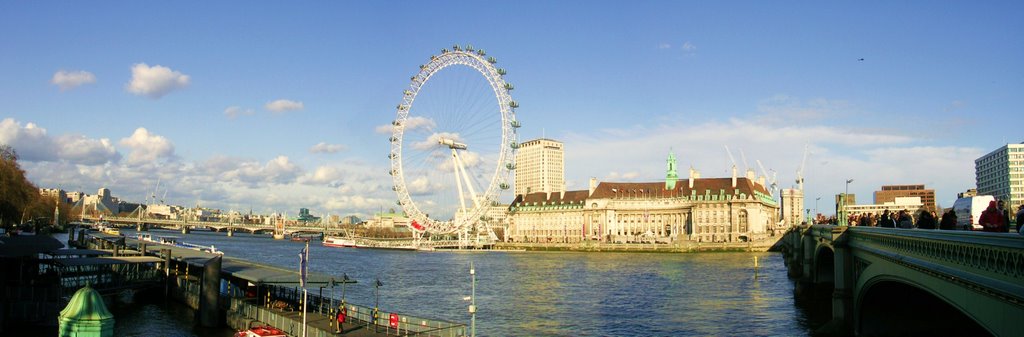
(886, 220)
(926, 220)
(948, 220)
(991, 219)
(1020, 219)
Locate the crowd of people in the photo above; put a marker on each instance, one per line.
(995, 218)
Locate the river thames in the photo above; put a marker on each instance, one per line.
(533, 293)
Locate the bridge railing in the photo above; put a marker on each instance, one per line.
(357, 315)
(993, 261)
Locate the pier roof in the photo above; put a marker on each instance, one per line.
(88, 261)
(235, 267)
(27, 245)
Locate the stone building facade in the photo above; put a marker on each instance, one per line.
(735, 209)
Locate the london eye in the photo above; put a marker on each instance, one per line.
(453, 143)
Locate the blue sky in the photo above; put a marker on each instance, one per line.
(116, 94)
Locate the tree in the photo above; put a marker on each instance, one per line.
(17, 194)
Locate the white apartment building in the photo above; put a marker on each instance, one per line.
(792, 206)
(540, 167)
(1001, 174)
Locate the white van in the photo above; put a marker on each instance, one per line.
(968, 211)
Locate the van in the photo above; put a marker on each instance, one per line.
(968, 211)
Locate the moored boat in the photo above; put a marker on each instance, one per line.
(338, 241)
(262, 331)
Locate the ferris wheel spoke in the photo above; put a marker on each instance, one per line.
(460, 98)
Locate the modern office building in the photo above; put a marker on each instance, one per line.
(540, 167)
(1000, 173)
(889, 193)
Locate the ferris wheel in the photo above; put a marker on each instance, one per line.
(453, 150)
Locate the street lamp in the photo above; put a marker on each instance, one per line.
(376, 305)
(472, 306)
(846, 195)
(816, 207)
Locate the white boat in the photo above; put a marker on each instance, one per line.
(337, 241)
(172, 241)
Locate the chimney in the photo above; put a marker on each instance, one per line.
(593, 185)
(760, 180)
(693, 174)
(734, 176)
(751, 175)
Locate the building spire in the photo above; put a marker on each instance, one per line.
(670, 174)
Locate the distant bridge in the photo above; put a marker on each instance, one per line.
(178, 224)
(888, 281)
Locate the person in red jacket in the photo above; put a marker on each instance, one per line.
(991, 219)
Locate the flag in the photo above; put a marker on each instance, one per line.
(303, 260)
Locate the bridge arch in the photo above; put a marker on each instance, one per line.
(824, 264)
(895, 306)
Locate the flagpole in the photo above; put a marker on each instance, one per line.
(304, 267)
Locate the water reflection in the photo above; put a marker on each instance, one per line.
(559, 293)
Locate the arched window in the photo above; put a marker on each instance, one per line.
(743, 221)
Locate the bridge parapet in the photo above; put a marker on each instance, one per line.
(989, 262)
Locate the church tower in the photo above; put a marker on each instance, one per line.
(670, 175)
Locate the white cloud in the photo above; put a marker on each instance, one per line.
(146, 147)
(156, 81)
(235, 111)
(411, 124)
(422, 186)
(279, 170)
(71, 79)
(283, 105)
(689, 47)
(432, 141)
(34, 144)
(784, 109)
(664, 45)
(627, 176)
(323, 147)
(30, 142)
(86, 151)
(871, 157)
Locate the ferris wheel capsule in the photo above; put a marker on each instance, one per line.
(492, 60)
(501, 71)
(509, 86)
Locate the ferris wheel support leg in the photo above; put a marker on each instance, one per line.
(458, 181)
(465, 176)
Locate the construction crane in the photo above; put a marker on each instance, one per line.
(745, 166)
(731, 158)
(773, 182)
(800, 172)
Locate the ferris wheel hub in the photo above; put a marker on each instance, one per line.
(451, 143)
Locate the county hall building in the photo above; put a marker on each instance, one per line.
(733, 209)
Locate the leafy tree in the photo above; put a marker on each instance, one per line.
(17, 194)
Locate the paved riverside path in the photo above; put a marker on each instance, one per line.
(321, 322)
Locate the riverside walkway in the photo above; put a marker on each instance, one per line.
(252, 294)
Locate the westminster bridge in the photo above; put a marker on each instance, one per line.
(888, 281)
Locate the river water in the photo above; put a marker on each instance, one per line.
(534, 293)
